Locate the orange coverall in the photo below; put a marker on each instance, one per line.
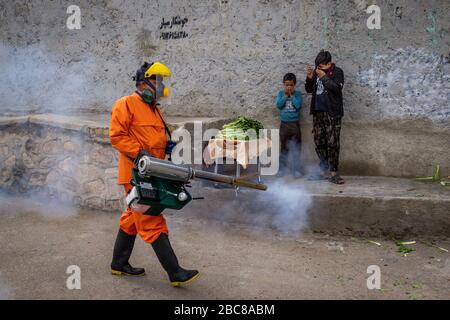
(135, 126)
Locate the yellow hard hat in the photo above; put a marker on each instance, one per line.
(157, 69)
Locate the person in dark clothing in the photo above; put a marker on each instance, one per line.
(289, 102)
(325, 82)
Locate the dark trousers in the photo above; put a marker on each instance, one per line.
(326, 131)
(291, 144)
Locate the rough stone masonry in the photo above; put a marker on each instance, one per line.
(65, 158)
(74, 166)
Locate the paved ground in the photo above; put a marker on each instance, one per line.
(236, 261)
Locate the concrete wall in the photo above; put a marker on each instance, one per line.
(229, 60)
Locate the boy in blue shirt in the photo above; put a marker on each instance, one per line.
(289, 102)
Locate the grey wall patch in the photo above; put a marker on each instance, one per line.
(410, 83)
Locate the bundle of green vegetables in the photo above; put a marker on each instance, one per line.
(238, 129)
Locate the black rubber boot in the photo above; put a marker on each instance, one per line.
(122, 252)
(177, 275)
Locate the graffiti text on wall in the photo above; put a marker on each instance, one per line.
(175, 22)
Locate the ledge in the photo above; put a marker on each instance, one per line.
(100, 121)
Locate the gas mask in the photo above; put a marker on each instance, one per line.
(160, 90)
(148, 96)
(152, 74)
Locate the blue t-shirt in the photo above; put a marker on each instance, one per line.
(321, 97)
(289, 107)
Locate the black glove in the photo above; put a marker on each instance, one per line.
(170, 146)
(140, 155)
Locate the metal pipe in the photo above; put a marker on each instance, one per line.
(150, 166)
(205, 175)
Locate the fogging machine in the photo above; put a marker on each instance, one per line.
(160, 184)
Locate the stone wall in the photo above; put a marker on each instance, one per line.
(73, 166)
(68, 158)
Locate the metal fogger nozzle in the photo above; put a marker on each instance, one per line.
(149, 166)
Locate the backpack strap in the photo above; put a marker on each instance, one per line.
(164, 122)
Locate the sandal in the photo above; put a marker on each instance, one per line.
(336, 179)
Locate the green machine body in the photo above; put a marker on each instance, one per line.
(151, 195)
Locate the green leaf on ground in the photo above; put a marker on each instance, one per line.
(435, 177)
(403, 249)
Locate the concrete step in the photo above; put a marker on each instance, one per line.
(371, 206)
(97, 125)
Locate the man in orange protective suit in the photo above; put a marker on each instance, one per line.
(137, 128)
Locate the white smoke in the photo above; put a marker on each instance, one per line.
(287, 198)
(37, 203)
(289, 202)
(33, 79)
(284, 206)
